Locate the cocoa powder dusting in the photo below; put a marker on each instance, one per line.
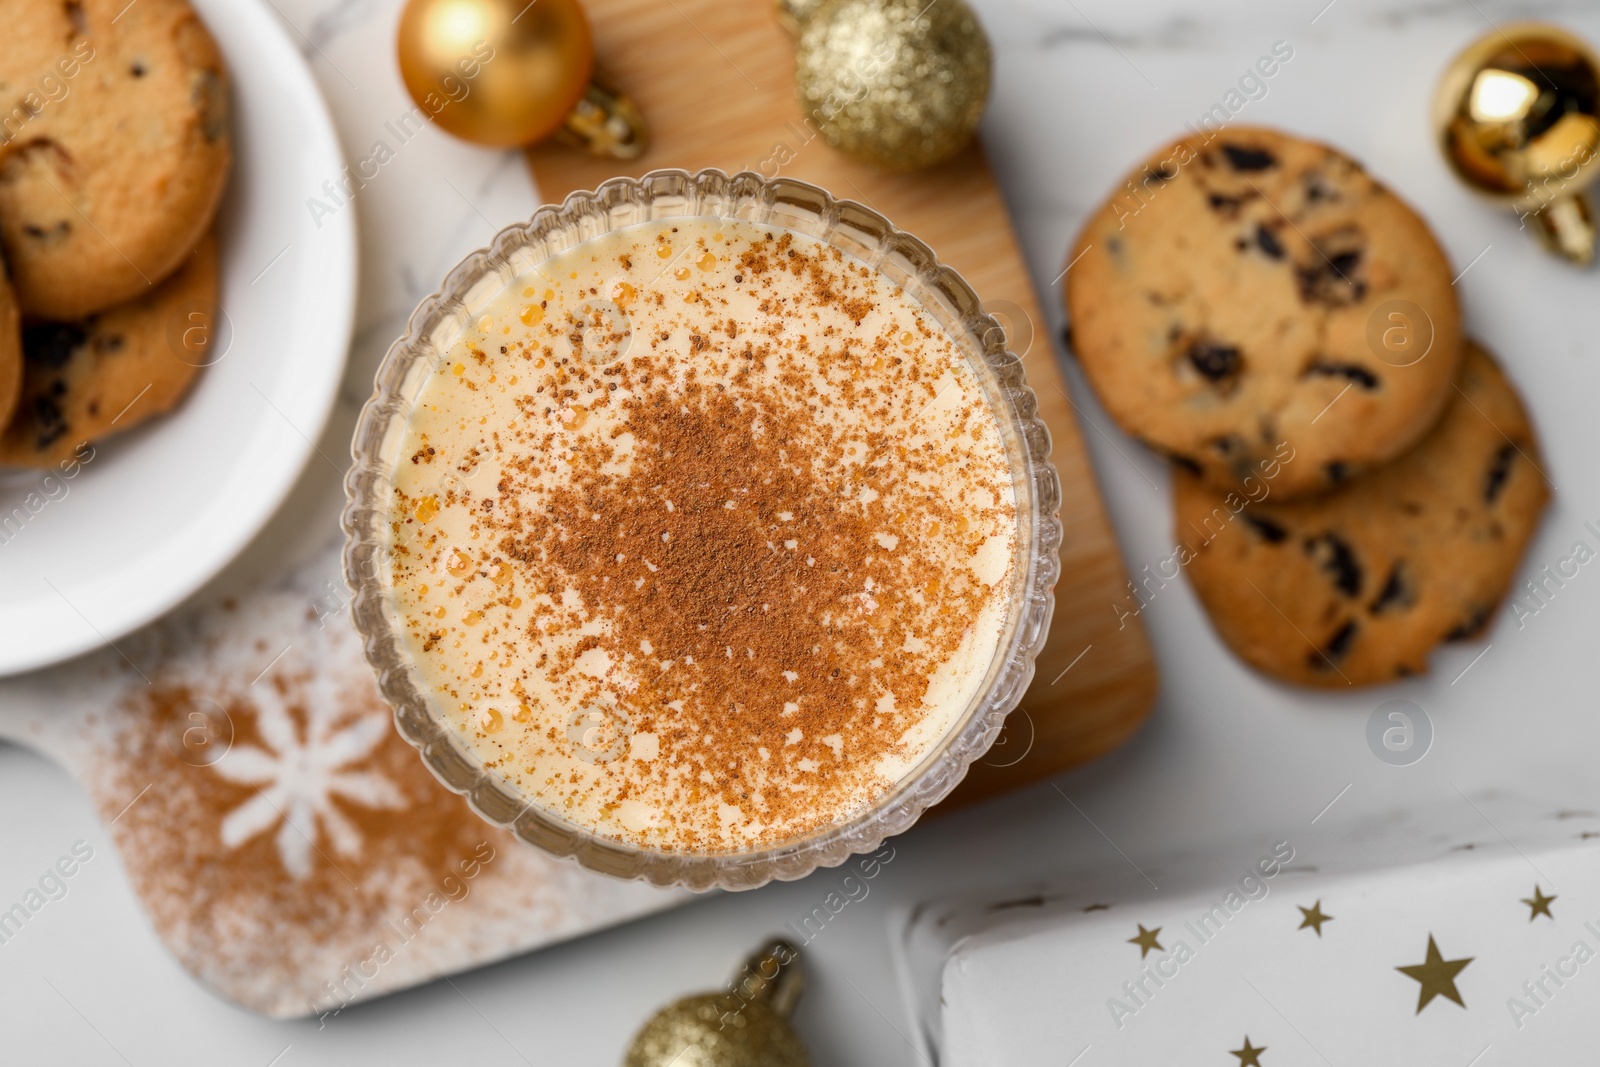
(717, 577)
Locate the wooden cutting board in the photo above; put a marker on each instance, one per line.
(715, 80)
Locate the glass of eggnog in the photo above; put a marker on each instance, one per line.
(702, 529)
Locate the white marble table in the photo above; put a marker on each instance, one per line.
(1084, 86)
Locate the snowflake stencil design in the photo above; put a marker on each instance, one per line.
(297, 778)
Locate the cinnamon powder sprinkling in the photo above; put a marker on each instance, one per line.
(288, 845)
(267, 931)
(729, 558)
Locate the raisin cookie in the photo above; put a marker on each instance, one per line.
(114, 149)
(86, 380)
(10, 349)
(1250, 298)
(1357, 586)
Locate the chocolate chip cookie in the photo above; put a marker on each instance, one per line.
(1357, 586)
(10, 349)
(86, 380)
(114, 148)
(1250, 298)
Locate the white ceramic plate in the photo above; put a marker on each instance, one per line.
(160, 510)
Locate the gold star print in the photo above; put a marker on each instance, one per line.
(1248, 1056)
(1146, 940)
(1538, 904)
(1314, 917)
(1436, 975)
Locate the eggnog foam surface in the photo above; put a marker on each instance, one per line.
(703, 536)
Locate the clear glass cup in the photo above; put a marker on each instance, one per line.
(803, 208)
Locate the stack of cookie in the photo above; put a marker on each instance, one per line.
(1355, 482)
(114, 151)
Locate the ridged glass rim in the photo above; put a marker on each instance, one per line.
(790, 204)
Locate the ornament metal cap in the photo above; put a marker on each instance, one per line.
(1517, 116)
(508, 73)
(746, 1026)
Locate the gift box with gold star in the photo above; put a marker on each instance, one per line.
(1457, 936)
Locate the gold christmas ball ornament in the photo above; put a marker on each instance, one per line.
(897, 83)
(1517, 115)
(746, 1026)
(510, 72)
